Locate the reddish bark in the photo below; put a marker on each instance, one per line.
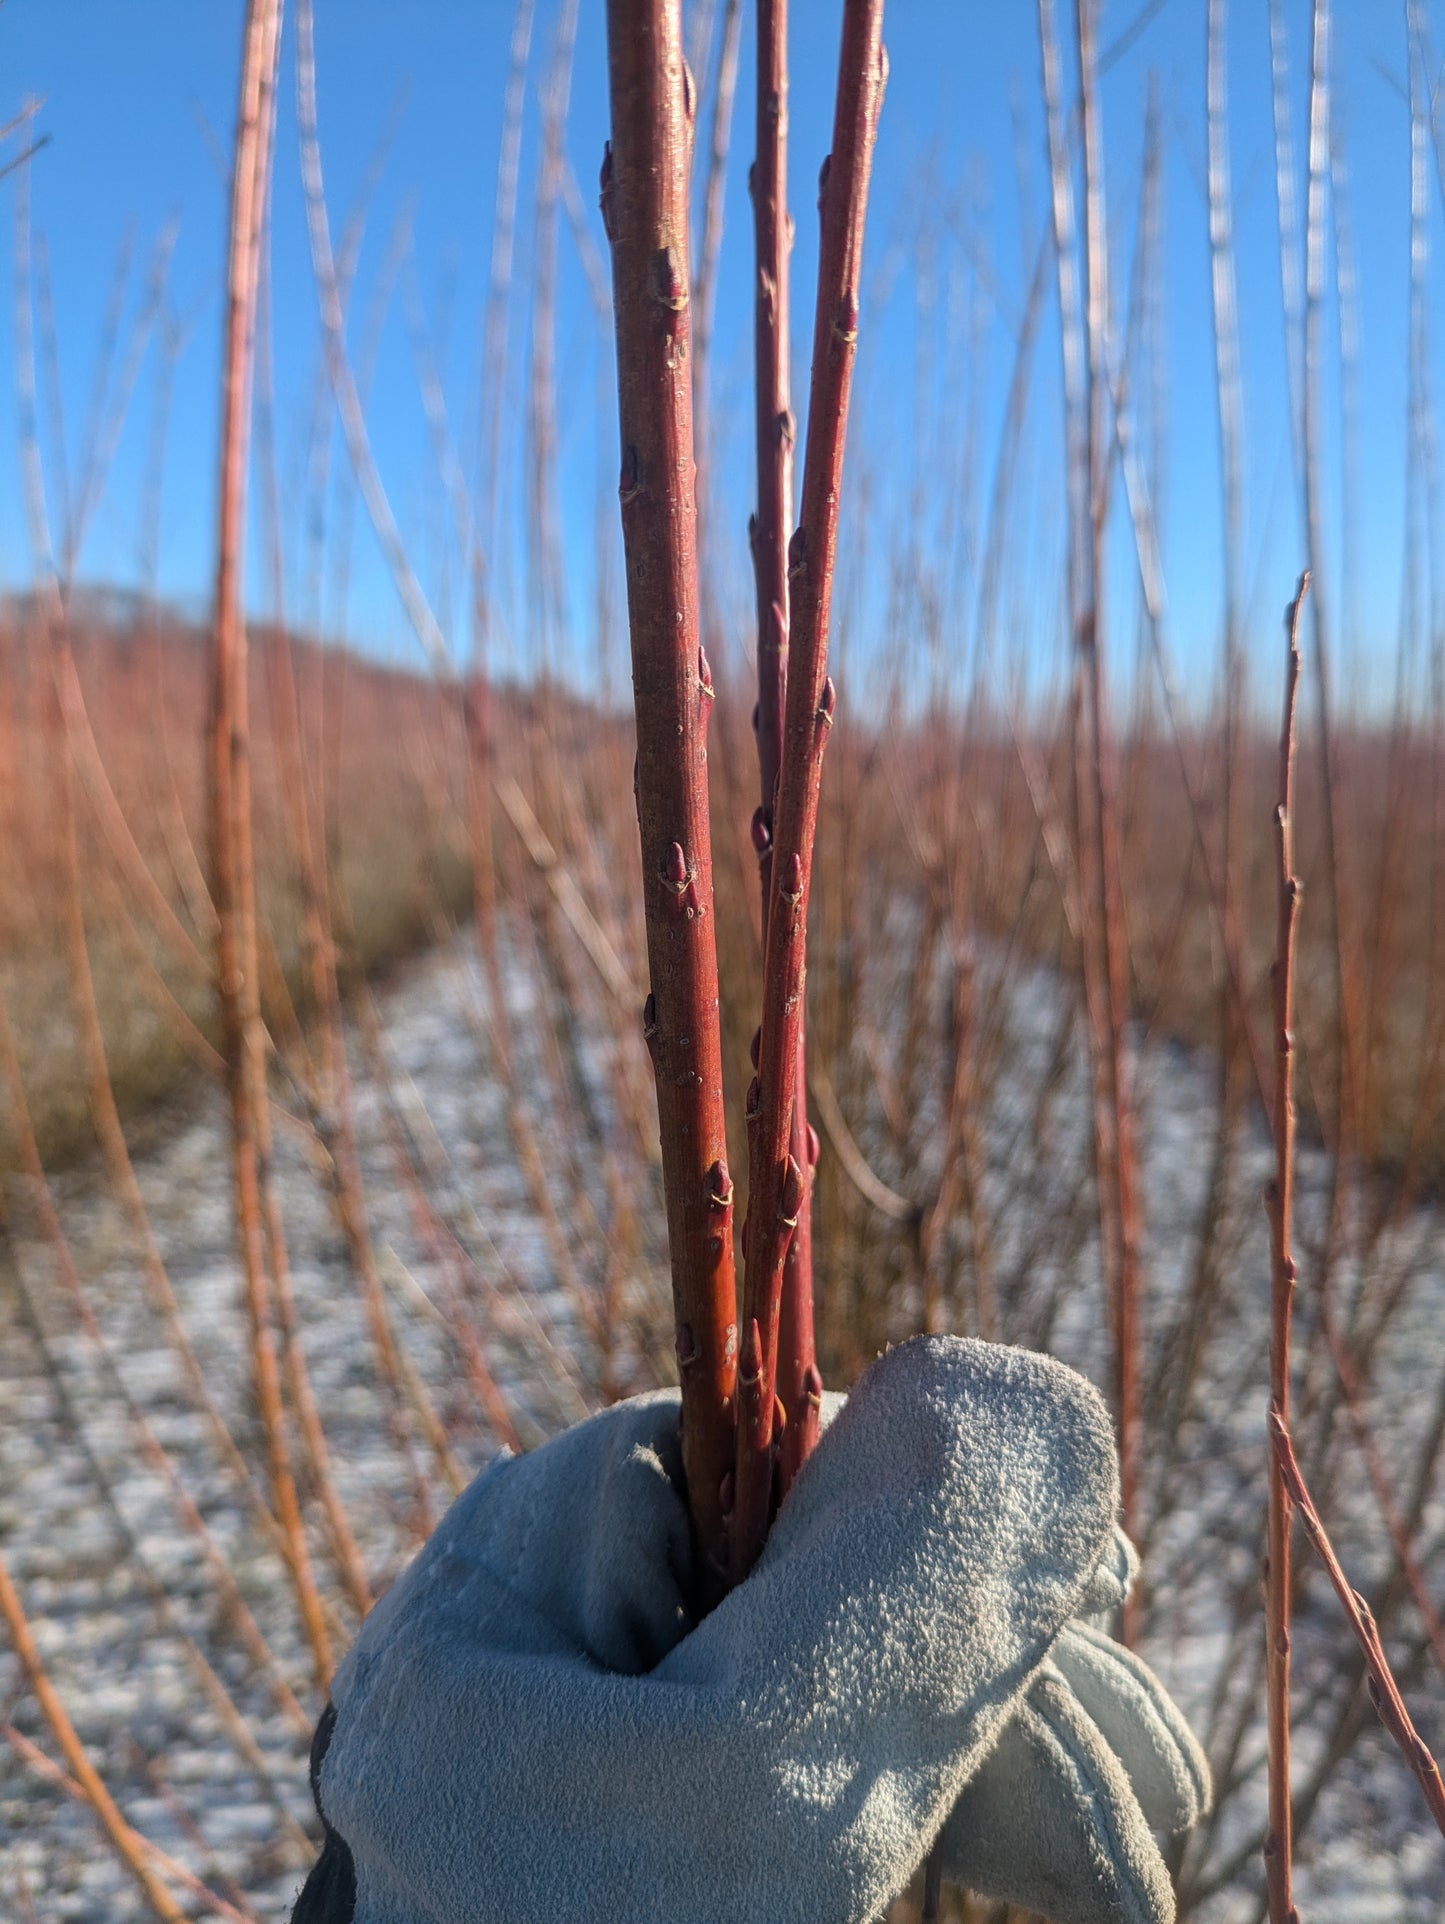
(776, 1177)
(645, 210)
(233, 881)
(1278, 1843)
(771, 527)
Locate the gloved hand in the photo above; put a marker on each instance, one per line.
(529, 1727)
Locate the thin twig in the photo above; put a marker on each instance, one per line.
(1279, 1840)
(1384, 1691)
(777, 1182)
(798, 1385)
(233, 878)
(126, 1843)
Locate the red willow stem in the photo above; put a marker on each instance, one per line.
(233, 873)
(645, 212)
(799, 1387)
(1384, 1691)
(777, 1183)
(1279, 1838)
(772, 524)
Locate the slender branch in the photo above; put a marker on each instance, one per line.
(471, 695)
(324, 1082)
(51, 1773)
(645, 211)
(1084, 332)
(595, 940)
(128, 1845)
(101, 1092)
(776, 1177)
(232, 873)
(851, 1160)
(349, 409)
(1384, 1691)
(1347, 1078)
(775, 432)
(1225, 312)
(798, 1384)
(1279, 1838)
(1110, 946)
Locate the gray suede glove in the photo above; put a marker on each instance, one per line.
(529, 1726)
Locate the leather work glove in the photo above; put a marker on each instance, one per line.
(531, 1727)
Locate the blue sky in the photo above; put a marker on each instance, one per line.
(139, 108)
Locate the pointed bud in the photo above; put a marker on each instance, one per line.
(686, 1347)
(704, 675)
(629, 484)
(815, 1148)
(762, 832)
(674, 869)
(790, 1202)
(790, 887)
(755, 1047)
(813, 1386)
(719, 1186)
(649, 1017)
(604, 199)
(798, 554)
(753, 1105)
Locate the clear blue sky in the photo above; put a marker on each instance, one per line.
(140, 104)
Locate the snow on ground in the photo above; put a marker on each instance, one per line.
(133, 1692)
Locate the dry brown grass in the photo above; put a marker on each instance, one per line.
(383, 743)
(932, 814)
